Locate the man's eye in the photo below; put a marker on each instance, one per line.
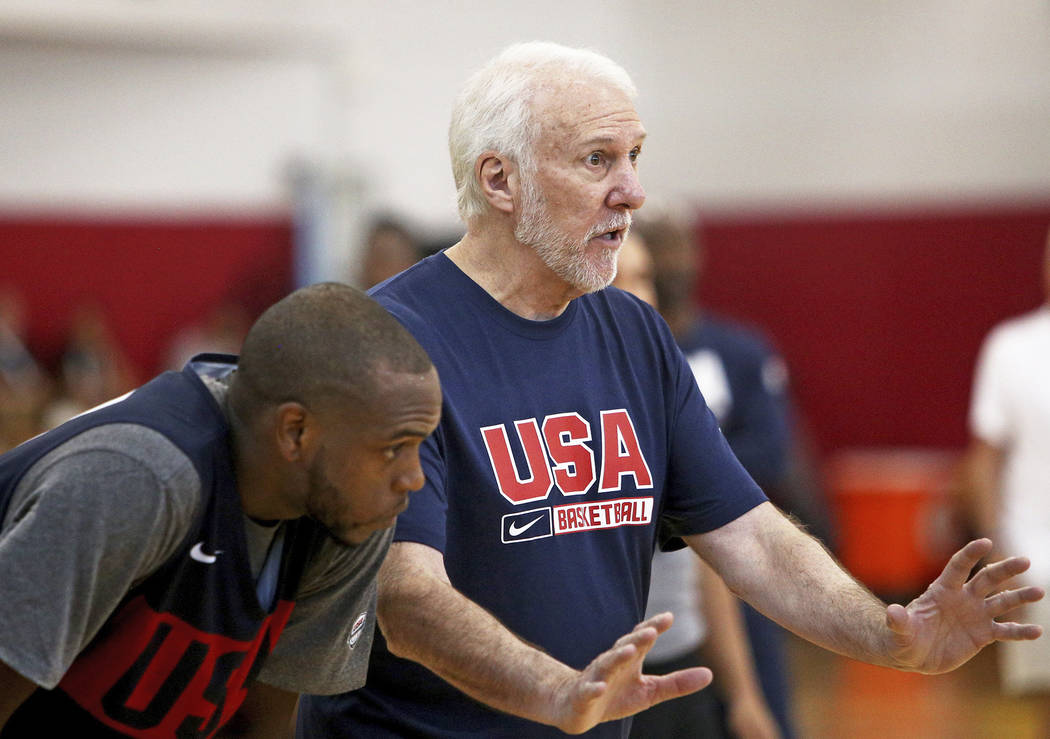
(635, 153)
(594, 159)
(391, 451)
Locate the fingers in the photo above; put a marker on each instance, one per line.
(1016, 632)
(1008, 600)
(590, 691)
(661, 622)
(897, 618)
(991, 577)
(963, 561)
(608, 662)
(631, 648)
(644, 634)
(682, 682)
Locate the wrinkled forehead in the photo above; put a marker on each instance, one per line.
(567, 108)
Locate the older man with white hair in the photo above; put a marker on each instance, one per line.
(573, 442)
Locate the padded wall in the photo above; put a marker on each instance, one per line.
(879, 315)
(149, 276)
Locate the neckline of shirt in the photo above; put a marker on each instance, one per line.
(527, 328)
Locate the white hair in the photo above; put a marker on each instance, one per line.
(493, 111)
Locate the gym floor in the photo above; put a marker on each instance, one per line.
(838, 698)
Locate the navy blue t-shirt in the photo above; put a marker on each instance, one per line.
(567, 451)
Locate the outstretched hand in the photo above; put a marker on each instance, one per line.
(613, 686)
(955, 618)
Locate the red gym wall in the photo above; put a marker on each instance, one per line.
(150, 276)
(879, 315)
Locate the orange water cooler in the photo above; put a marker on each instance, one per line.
(897, 520)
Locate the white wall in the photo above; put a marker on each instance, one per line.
(203, 105)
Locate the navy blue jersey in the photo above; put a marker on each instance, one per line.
(567, 450)
(745, 383)
(176, 656)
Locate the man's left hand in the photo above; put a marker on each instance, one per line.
(956, 617)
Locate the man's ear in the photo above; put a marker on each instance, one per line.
(498, 177)
(292, 430)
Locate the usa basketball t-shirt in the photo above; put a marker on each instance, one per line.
(567, 450)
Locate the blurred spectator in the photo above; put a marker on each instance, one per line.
(24, 386)
(222, 330)
(389, 248)
(1007, 471)
(708, 628)
(744, 382)
(92, 370)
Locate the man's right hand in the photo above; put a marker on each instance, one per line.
(613, 685)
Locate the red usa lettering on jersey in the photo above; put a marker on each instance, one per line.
(559, 453)
(159, 676)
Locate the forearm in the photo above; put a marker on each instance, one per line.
(791, 577)
(426, 620)
(726, 648)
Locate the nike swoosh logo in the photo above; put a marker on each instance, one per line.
(514, 529)
(200, 555)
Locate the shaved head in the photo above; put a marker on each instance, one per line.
(321, 345)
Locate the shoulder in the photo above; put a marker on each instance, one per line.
(618, 299)
(415, 285)
(1016, 341)
(132, 443)
(625, 311)
(121, 468)
(1019, 330)
(421, 296)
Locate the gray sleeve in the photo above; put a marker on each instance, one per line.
(325, 646)
(89, 520)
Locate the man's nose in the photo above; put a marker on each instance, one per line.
(412, 477)
(628, 191)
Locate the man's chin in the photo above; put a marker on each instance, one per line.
(352, 536)
(359, 533)
(594, 280)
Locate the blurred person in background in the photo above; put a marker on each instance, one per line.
(93, 367)
(744, 382)
(389, 248)
(24, 385)
(222, 331)
(708, 627)
(1007, 472)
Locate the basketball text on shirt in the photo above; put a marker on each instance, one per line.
(558, 452)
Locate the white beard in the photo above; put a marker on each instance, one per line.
(563, 255)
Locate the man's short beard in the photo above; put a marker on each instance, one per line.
(564, 256)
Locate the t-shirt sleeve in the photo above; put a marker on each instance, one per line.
(707, 487)
(424, 520)
(989, 413)
(89, 520)
(324, 648)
